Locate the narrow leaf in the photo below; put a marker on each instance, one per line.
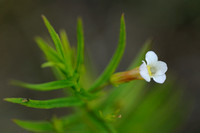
(67, 52)
(80, 47)
(110, 69)
(54, 85)
(35, 126)
(65, 42)
(49, 52)
(53, 57)
(51, 64)
(47, 104)
(54, 37)
(131, 90)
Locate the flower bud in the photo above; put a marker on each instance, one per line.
(123, 77)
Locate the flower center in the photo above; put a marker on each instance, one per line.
(151, 70)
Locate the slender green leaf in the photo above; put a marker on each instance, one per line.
(47, 104)
(54, 37)
(54, 58)
(49, 126)
(127, 88)
(58, 74)
(128, 93)
(49, 52)
(110, 69)
(35, 126)
(80, 47)
(131, 90)
(67, 52)
(54, 85)
(51, 64)
(65, 42)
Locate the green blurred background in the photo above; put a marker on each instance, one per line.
(174, 26)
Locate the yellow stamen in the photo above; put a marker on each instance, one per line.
(149, 70)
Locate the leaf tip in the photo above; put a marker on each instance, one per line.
(46, 22)
(79, 19)
(122, 17)
(7, 99)
(43, 17)
(14, 120)
(79, 22)
(15, 83)
(36, 38)
(149, 42)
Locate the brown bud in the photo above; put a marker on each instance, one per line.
(123, 77)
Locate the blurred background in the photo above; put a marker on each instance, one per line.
(174, 26)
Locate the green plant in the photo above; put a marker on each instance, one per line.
(127, 107)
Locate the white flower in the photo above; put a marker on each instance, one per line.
(153, 68)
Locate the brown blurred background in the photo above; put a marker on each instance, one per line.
(173, 24)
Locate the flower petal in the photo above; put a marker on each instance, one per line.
(144, 72)
(151, 57)
(161, 67)
(159, 78)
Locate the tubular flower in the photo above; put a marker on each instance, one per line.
(153, 68)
